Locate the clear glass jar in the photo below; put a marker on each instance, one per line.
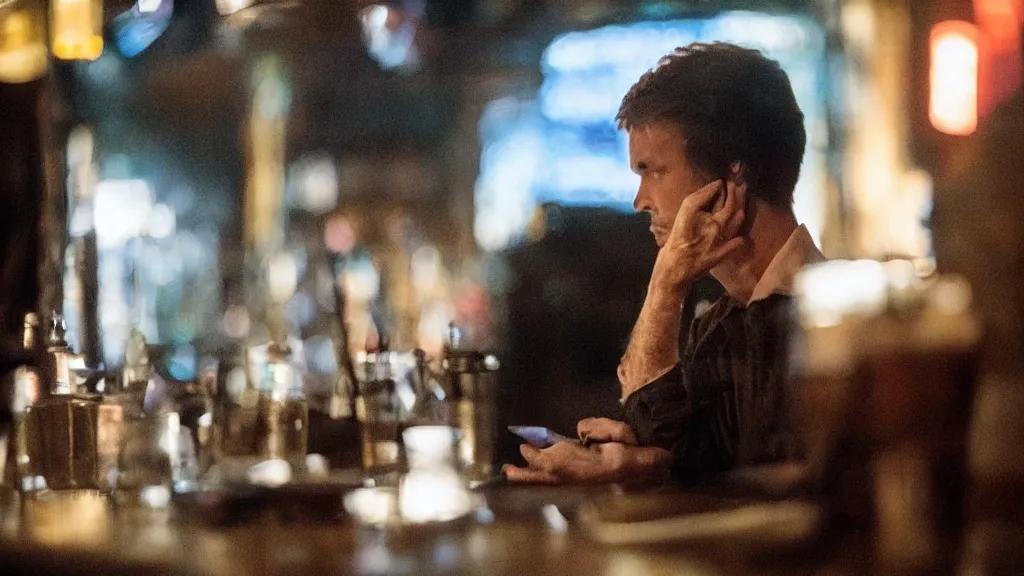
(432, 490)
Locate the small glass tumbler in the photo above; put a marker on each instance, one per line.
(157, 458)
(378, 411)
(432, 490)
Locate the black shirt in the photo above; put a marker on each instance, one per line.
(726, 404)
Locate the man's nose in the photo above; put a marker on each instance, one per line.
(641, 202)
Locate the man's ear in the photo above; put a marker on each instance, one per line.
(737, 173)
(738, 176)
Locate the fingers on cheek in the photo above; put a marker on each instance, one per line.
(698, 198)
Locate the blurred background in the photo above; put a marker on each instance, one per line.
(440, 160)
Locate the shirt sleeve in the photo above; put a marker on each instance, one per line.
(656, 411)
(664, 414)
(679, 412)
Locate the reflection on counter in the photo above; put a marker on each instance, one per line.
(74, 518)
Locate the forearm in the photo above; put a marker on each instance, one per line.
(654, 345)
(644, 466)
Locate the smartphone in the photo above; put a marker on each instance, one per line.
(538, 436)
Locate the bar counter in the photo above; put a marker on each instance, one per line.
(522, 530)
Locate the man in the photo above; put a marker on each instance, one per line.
(717, 138)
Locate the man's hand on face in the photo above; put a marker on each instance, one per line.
(700, 239)
(569, 463)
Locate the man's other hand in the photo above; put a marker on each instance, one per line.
(605, 430)
(569, 463)
(572, 463)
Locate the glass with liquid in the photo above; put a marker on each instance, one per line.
(379, 415)
(113, 412)
(194, 404)
(285, 413)
(236, 415)
(261, 413)
(157, 458)
(61, 444)
(472, 381)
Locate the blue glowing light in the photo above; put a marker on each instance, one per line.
(137, 29)
(182, 363)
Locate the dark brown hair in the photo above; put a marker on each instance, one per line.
(732, 104)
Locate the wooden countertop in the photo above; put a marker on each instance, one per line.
(513, 537)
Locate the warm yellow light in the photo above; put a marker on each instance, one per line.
(953, 107)
(1000, 20)
(76, 29)
(22, 47)
(226, 7)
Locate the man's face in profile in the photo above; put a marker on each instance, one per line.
(657, 152)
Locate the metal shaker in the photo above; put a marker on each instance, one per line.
(472, 383)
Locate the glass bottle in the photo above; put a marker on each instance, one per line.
(26, 392)
(236, 407)
(136, 371)
(61, 505)
(431, 406)
(284, 409)
(342, 401)
(120, 404)
(343, 394)
(60, 430)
